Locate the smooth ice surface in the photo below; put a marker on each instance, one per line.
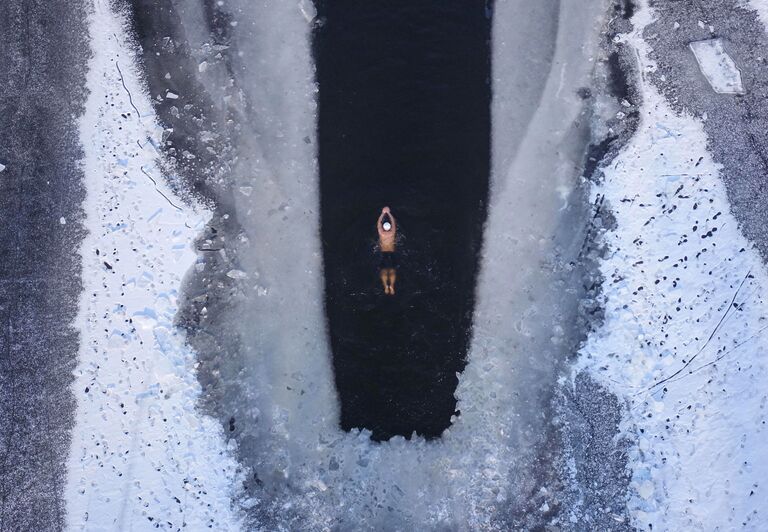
(310, 473)
(142, 454)
(684, 338)
(718, 67)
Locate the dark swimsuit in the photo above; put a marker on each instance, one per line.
(388, 259)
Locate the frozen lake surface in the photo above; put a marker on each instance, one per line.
(193, 330)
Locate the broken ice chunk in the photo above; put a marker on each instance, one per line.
(171, 95)
(717, 66)
(307, 9)
(236, 274)
(2, 167)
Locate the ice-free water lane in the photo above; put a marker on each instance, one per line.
(404, 121)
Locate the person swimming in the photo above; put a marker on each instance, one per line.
(387, 229)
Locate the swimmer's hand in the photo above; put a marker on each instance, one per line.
(385, 210)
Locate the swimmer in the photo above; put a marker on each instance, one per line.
(387, 228)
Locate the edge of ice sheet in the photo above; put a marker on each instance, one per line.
(141, 454)
(684, 297)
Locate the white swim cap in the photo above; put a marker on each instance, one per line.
(387, 226)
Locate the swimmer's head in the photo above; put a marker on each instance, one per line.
(387, 226)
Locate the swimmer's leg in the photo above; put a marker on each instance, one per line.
(383, 274)
(392, 279)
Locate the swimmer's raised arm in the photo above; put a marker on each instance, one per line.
(384, 212)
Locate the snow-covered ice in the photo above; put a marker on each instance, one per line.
(761, 7)
(684, 337)
(142, 455)
(719, 69)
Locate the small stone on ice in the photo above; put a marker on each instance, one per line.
(62, 220)
(236, 274)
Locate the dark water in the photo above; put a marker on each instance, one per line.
(404, 121)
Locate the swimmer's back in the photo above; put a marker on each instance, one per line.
(387, 237)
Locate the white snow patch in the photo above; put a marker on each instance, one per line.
(685, 334)
(718, 67)
(62, 221)
(142, 456)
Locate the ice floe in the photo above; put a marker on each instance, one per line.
(719, 69)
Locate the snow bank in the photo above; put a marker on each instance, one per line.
(685, 327)
(718, 67)
(142, 457)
